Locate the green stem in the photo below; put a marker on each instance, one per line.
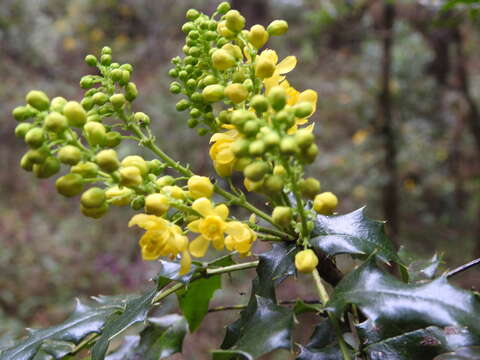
(323, 295)
(298, 198)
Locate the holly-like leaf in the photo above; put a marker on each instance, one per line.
(57, 341)
(354, 234)
(331, 352)
(467, 353)
(420, 269)
(162, 337)
(136, 310)
(266, 327)
(170, 272)
(395, 307)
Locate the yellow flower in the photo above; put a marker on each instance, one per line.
(281, 68)
(200, 186)
(296, 97)
(162, 238)
(240, 237)
(211, 226)
(221, 152)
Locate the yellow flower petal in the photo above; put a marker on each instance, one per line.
(185, 263)
(199, 246)
(310, 96)
(218, 243)
(236, 229)
(222, 211)
(146, 221)
(203, 206)
(243, 246)
(270, 55)
(229, 243)
(193, 226)
(287, 65)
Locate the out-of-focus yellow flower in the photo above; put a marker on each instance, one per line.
(281, 68)
(162, 238)
(211, 226)
(221, 152)
(240, 237)
(359, 137)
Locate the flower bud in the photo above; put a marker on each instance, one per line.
(119, 196)
(309, 187)
(22, 129)
(309, 154)
(258, 36)
(325, 203)
(175, 192)
(256, 148)
(284, 118)
(282, 216)
(117, 100)
(240, 147)
(107, 160)
(86, 82)
(25, 163)
(91, 60)
(279, 170)
(75, 114)
(273, 184)
(277, 27)
(131, 91)
(182, 105)
(192, 14)
(141, 118)
(48, 168)
(57, 104)
(288, 145)
(252, 185)
(94, 213)
(213, 93)
(240, 117)
(251, 127)
(87, 103)
(306, 261)
(303, 109)
(200, 186)
(157, 204)
(37, 156)
(236, 93)
(56, 122)
(164, 181)
(259, 103)
(137, 161)
(235, 22)
(85, 169)
(130, 176)
(116, 75)
(222, 59)
(271, 139)
(95, 133)
(93, 198)
(277, 97)
(69, 155)
(223, 7)
(233, 50)
(35, 137)
(100, 98)
(155, 166)
(21, 113)
(256, 170)
(38, 99)
(304, 138)
(69, 185)
(106, 59)
(264, 68)
(112, 139)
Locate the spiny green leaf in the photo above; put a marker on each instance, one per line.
(85, 320)
(395, 307)
(170, 272)
(266, 327)
(354, 234)
(136, 310)
(323, 335)
(467, 353)
(331, 352)
(420, 269)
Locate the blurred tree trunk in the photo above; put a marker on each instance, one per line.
(255, 11)
(385, 120)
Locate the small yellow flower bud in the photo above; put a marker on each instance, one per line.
(69, 185)
(38, 99)
(325, 203)
(57, 104)
(37, 156)
(282, 215)
(200, 186)
(310, 153)
(156, 204)
(35, 137)
(279, 170)
(224, 31)
(288, 146)
(164, 181)
(56, 122)
(130, 176)
(235, 21)
(137, 161)
(223, 60)
(264, 68)
(258, 36)
(117, 100)
(131, 91)
(93, 198)
(236, 93)
(256, 170)
(85, 169)
(173, 191)
(75, 114)
(303, 109)
(273, 184)
(107, 160)
(309, 187)
(119, 196)
(252, 185)
(306, 261)
(213, 93)
(96, 133)
(233, 50)
(48, 168)
(304, 138)
(69, 155)
(277, 27)
(22, 129)
(94, 213)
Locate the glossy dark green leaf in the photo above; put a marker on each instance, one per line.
(467, 353)
(323, 335)
(354, 234)
(266, 328)
(170, 272)
(136, 310)
(420, 269)
(395, 307)
(331, 352)
(85, 320)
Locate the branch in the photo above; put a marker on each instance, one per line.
(243, 306)
(463, 268)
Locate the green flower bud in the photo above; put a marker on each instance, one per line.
(48, 168)
(223, 7)
(191, 84)
(116, 75)
(21, 113)
(175, 88)
(127, 67)
(91, 60)
(233, 50)
(164, 181)
(240, 147)
(94, 213)
(37, 156)
(271, 139)
(173, 73)
(309, 187)
(87, 103)
(137, 203)
(119, 196)
(25, 163)
(211, 35)
(222, 60)
(70, 155)
(251, 128)
(303, 109)
(141, 118)
(22, 129)
(130, 176)
(264, 68)
(195, 113)
(125, 78)
(256, 148)
(100, 98)
(257, 36)
(117, 100)
(277, 97)
(239, 76)
(137, 161)
(248, 84)
(157, 204)
(112, 139)
(86, 82)
(288, 145)
(95, 132)
(256, 170)
(38, 100)
(282, 216)
(209, 80)
(192, 122)
(155, 166)
(239, 117)
(304, 138)
(273, 184)
(85, 169)
(69, 185)
(35, 137)
(93, 198)
(285, 119)
(131, 91)
(75, 114)
(309, 154)
(107, 50)
(182, 105)
(277, 28)
(187, 27)
(236, 93)
(106, 59)
(279, 170)
(56, 122)
(57, 104)
(107, 160)
(94, 117)
(202, 132)
(213, 93)
(234, 21)
(259, 103)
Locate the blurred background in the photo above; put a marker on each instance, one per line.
(398, 126)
